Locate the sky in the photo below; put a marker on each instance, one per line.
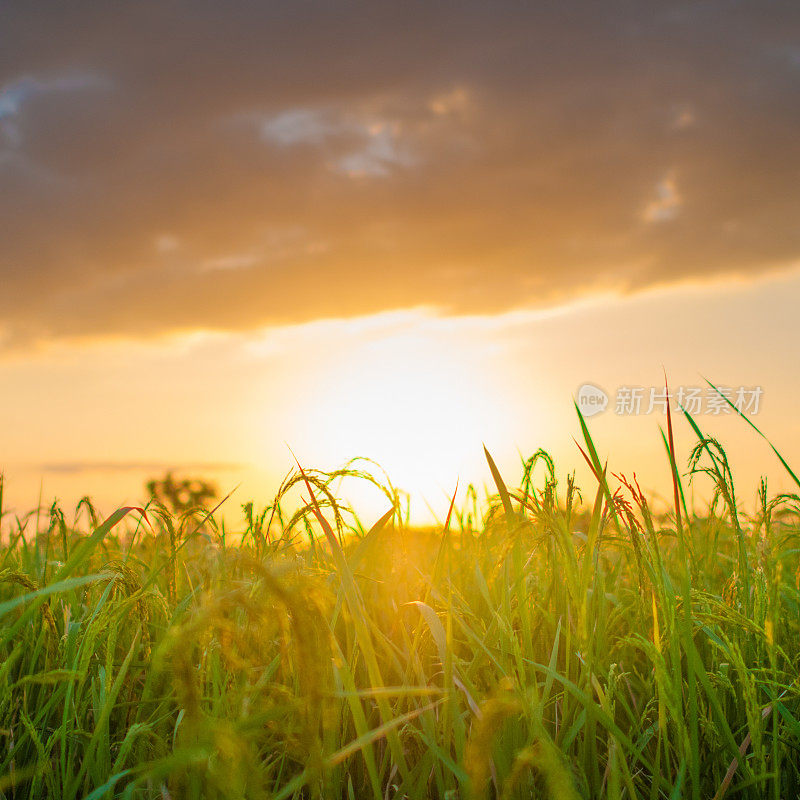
(398, 231)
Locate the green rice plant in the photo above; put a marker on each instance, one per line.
(535, 645)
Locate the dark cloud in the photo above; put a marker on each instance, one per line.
(170, 166)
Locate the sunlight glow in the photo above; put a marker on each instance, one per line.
(412, 402)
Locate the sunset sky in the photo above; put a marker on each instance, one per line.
(398, 231)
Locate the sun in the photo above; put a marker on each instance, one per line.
(412, 401)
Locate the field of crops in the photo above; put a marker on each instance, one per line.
(552, 643)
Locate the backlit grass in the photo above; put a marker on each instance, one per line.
(563, 645)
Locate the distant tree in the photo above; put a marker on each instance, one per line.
(181, 495)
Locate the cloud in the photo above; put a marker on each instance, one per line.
(18, 92)
(19, 98)
(684, 118)
(357, 146)
(300, 126)
(381, 151)
(667, 202)
(506, 156)
(166, 243)
(232, 261)
(454, 101)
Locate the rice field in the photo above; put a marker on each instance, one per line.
(556, 642)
